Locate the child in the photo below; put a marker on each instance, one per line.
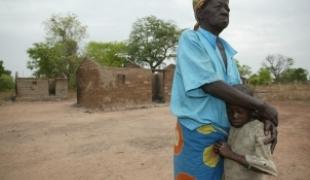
(246, 155)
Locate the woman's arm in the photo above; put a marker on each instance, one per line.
(230, 95)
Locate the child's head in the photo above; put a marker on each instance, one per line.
(238, 116)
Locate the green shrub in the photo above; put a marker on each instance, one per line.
(6, 82)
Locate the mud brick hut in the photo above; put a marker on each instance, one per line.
(119, 88)
(41, 89)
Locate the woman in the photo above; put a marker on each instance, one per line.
(205, 71)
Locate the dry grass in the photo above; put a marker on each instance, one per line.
(6, 97)
(284, 92)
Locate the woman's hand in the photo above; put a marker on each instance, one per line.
(268, 112)
(270, 127)
(269, 116)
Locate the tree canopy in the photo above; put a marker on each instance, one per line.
(6, 80)
(294, 75)
(64, 28)
(47, 60)
(3, 70)
(107, 53)
(277, 64)
(58, 55)
(263, 77)
(244, 70)
(152, 41)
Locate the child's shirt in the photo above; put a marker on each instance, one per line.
(249, 141)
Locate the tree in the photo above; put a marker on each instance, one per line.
(107, 54)
(3, 70)
(294, 75)
(64, 28)
(244, 70)
(277, 64)
(262, 78)
(58, 55)
(6, 80)
(47, 60)
(152, 41)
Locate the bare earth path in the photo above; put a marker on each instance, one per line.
(55, 140)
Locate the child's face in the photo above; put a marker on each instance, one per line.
(238, 116)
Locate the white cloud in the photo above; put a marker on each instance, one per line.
(257, 28)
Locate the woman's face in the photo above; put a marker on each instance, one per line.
(238, 116)
(215, 14)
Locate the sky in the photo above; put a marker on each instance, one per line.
(257, 27)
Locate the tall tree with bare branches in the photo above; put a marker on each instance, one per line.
(276, 64)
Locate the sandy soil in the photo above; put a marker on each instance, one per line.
(56, 140)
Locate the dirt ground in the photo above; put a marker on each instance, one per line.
(56, 140)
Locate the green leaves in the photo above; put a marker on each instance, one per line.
(294, 75)
(47, 60)
(107, 54)
(6, 80)
(262, 78)
(152, 41)
(2, 70)
(58, 55)
(276, 68)
(244, 70)
(277, 64)
(63, 28)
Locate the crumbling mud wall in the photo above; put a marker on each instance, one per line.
(112, 88)
(168, 79)
(31, 88)
(41, 89)
(280, 92)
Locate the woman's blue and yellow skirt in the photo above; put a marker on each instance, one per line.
(194, 155)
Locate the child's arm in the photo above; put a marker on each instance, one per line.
(224, 149)
(260, 161)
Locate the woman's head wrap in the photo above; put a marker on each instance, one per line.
(198, 5)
